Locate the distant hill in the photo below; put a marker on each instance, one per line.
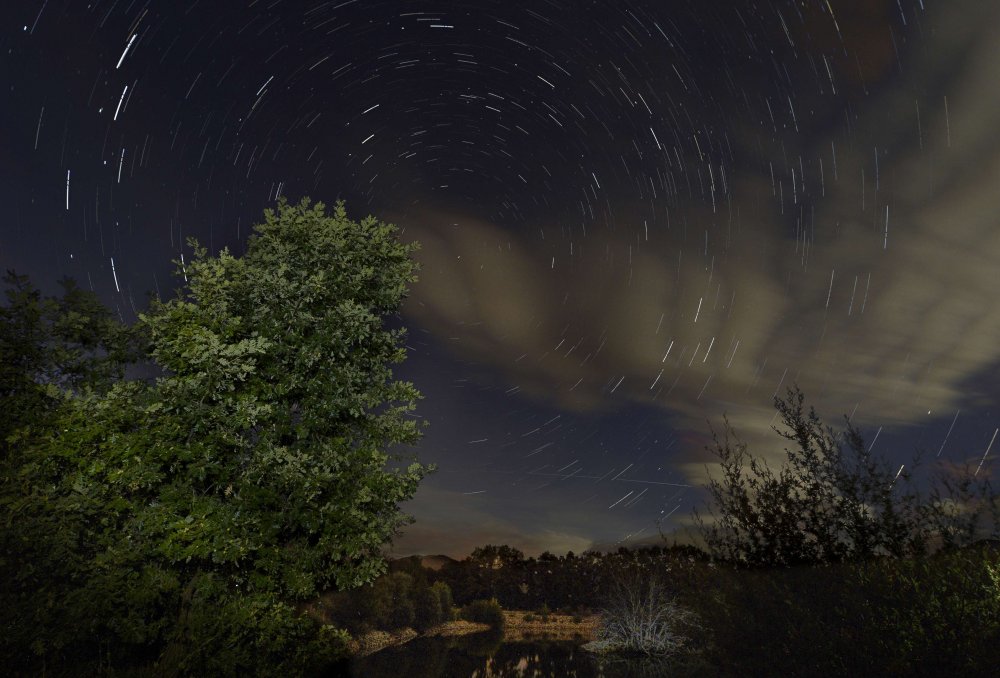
(430, 562)
(436, 562)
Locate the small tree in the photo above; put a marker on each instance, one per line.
(426, 606)
(53, 345)
(402, 611)
(445, 601)
(831, 501)
(483, 612)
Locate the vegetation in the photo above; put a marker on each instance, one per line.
(483, 612)
(832, 501)
(921, 616)
(51, 345)
(180, 522)
(929, 615)
(227, 514)
(393, 601)
(445, 601)
(571, 583)
(826, 566)
(641, 616)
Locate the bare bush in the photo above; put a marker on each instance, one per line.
(640, 615)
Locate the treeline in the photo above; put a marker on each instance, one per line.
(572, 583)
(407, 596)
(411, 595)
(393, 601)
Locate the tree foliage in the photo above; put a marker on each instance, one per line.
(258, 470)
(483, 612)
(569, 583)
(50, 345)
(393, 601)
(831, 501)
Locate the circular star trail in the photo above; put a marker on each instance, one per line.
(634, 216)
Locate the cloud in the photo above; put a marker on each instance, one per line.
(869, 290)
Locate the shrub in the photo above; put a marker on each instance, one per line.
(943, 611)
(426, 607)
(374, 605)
(529, 617)
(444, 596)
(920, 616)
(235, 635)
(402, 612)
(799, 616)
(386, 604)
(483, 612)
(640, 616)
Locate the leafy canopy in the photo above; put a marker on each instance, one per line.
(186, 516)
(50, 345)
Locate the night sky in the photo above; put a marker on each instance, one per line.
(635, 216)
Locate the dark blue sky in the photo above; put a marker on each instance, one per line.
(635, 216)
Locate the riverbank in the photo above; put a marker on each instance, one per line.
(556, 627)
(516, 628)
(373, 641)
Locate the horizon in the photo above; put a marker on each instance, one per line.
(394, 553)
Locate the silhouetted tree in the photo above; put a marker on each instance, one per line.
(832, 500)
(53, 345)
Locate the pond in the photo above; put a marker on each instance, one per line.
(486, 655)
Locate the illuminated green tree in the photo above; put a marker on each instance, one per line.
(194, 512)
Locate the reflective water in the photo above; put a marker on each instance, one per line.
(488, 656)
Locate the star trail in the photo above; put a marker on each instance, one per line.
(635, 217)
